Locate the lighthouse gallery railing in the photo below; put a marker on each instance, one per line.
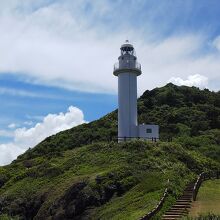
(128, 65)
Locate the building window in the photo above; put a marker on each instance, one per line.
(149, 130)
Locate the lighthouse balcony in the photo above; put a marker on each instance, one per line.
(130, 66)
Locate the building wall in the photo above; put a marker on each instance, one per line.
(148, 131)
(127, 103)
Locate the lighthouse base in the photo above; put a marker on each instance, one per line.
(144, 131)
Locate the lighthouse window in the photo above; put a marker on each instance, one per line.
(149, 130)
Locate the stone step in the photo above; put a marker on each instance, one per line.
(188, 205)
(179, 201)
(169, 218)
(176, 213)
(184, 200)
(186, 197)
(189, 188)
(181, 206)
(172, 216)
(177, 210)
(182, 203)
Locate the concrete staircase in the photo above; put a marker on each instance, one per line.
(182, 205)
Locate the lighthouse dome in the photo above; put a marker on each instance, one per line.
(127, 45)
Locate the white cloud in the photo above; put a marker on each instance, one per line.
(8, 152)
(51, 124)
(28, 123)
(12, 125)
(57, 44)
(192, 80)
(25, 93)
(17, 92)
(216, 42)
(6, 133)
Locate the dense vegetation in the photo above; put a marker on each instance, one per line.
(82, 173)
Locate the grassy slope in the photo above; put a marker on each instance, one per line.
(137, 170)
(120, 181)
(208, 200)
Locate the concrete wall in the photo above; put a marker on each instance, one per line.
(148, 131)
(127, 103)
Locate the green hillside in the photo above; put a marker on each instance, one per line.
(82, 173)
(208, 199)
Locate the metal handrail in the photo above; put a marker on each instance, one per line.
(133, 66)
(202, 177)
(153, 139)
(158, 207)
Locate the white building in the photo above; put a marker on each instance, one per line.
(127, 70)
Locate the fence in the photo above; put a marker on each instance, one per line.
(204, 176)
(157, 208)
(153, 139)
(197, 185)
(129, 65)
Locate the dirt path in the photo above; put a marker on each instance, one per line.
(208, 199)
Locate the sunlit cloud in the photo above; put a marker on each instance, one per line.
(24, 138)
(55, 43)
(192, 80)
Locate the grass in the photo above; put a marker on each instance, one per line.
(135, 203)
(6, 217)
(124, 180)
(208, 199)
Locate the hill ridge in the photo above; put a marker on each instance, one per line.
(81, 173)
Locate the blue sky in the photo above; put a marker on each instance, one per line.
(58, 54)
(23, 102)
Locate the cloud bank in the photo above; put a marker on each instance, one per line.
(25, 138)
(53, 42)
(193, 80)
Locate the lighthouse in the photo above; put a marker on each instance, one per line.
(127, 69)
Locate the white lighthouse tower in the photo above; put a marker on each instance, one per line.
(127, 70)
